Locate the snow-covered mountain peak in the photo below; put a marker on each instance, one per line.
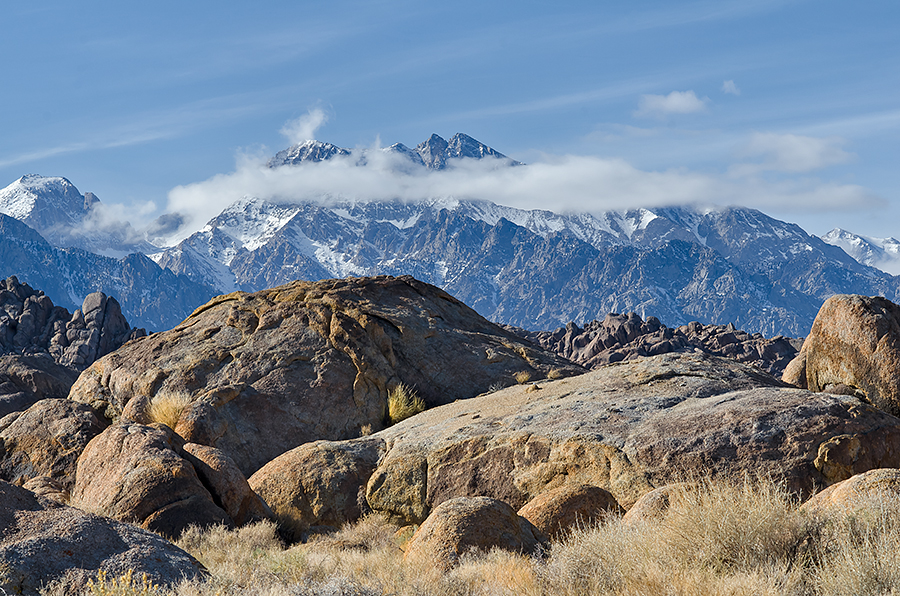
(432, 154)
(43, 202)
(306, 151)
(881, 253)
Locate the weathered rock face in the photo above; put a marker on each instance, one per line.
(557, 511)
(30, 324)
(226, 483)
(464, 524)
(627, 428)
(135, 473)
(29, 378)
(46, 440)
(305, 361)
(854, 347)
(625, 337)
(43, 541)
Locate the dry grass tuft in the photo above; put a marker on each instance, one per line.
(522, 377)
(403, 402)
(166, 407)
(555, 374)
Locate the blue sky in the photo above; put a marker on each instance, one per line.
(789, 106)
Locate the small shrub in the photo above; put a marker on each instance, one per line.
(125, 585)
(365, 430)
(522, 377)
(403, 402)
(554, 374)
(167, 407)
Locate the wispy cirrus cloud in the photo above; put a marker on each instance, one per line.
(676, 102)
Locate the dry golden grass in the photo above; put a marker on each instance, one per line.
(167, 407)
(719, 538)
(522, 377)
(554, 374)
(403, 402)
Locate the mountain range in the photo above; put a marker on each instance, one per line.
(530, 268)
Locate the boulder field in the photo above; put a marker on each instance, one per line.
(267, 372)
(627, 428)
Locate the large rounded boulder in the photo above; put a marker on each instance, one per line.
(267, 372)
(42, 541)
(464, 525)
(135, 473)
(46, 440)
(854, 348)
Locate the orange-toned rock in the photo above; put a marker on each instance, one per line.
(467, 524)
(654, 504)
(134, 473)
(317, 484)
(857, 492)
(46, 440)
(556, 511)
(226, 482)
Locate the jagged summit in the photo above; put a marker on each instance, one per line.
(306, 151)
(434, 153)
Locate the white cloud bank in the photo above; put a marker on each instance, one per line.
(676, 102)
(567, 183)
(790, 153)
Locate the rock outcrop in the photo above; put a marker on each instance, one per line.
(627, 428)
(46, 440)
(621, 337)
(468, 524)
(28, 378)
(43, 348)
(135, 473)
(31, 324)
(269, 371)
(853, 348)
(42, 541)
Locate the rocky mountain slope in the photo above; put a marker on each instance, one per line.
(540, 270)
(150, 296)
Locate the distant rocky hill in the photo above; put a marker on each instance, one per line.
(620, 337)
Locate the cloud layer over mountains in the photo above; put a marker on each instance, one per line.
(772, 171)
